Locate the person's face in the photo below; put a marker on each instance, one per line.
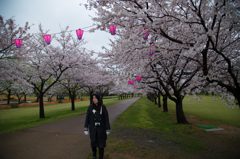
(95, 100)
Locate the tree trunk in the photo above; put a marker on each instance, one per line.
(72, 96)
(236, 94)
(181, 119)
(8, 96)
(159, 101)
(165, 107)
(155, 100)
(19, 100)
(205, 69)
(72, 101)
(60, 98)
(41, 106)
(91, 97)
(25, 98)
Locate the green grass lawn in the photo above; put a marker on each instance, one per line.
(26, 117)
(145, 115)
(210, 109)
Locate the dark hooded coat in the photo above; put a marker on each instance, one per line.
(98, 134)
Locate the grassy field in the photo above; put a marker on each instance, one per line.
(22, 118)
(210, 109)
(144, 131)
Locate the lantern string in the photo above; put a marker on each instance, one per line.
(72, 30)
(48, 40)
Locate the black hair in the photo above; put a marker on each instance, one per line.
(99, 102)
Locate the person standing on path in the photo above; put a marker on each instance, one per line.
(97, 121)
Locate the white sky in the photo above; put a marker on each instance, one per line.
(55, 13)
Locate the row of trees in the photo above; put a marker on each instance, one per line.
(45, 70)
(195, 42)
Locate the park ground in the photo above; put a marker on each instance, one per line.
(144, 131)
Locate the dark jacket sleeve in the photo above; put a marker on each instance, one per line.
(87, 120)
(106, 119)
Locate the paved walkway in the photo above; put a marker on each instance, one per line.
(59, 140)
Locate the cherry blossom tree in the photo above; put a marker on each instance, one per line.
(186, 36)
(6, 86)
(73, 79)
(9, 52)
(208, 29)
(157, 93)
(122, 88)
(109, 82)
(97, 79)
(9, 79)
(9, 32)
(174, 71)
(53, 91)
(21, 91)
(215, 25)
(43, 65)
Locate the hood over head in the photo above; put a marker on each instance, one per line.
(97, 95)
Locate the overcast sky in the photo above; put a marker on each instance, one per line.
(55, 13)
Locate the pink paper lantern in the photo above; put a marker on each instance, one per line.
(138, 78)
(129, 82)
(112, 29)
(47, 39)
(134, 86)
(151, 51)
(79, 34)
(132, 82)
(18, 42)
(146, 36)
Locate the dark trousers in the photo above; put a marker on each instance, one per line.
(101, 152)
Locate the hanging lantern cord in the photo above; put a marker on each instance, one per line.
(73, 30)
